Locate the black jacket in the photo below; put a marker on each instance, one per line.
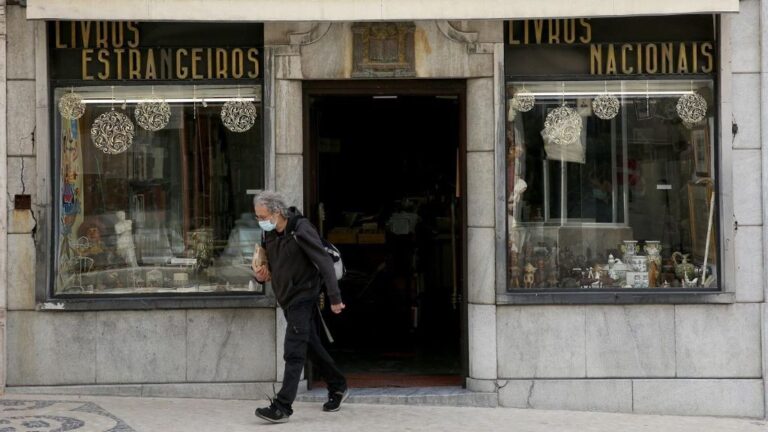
(299, 264)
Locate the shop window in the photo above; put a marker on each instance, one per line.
(166, 212)
(625, 202)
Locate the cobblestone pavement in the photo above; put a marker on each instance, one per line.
(39, 413)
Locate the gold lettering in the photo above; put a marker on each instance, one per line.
(596, 59)
(667, 58)
(57, 27)
(118, 34)
(181, 70)
(526, 32)
(253, 57)
(133, 43)
(119, 67)
(238, 67)
(651, 58)
(151, 72)
(210, 63)
(512, 40)
(538, 26)
(706, 52)
(682, 59)
(197, 55)
(610, 61)
(85, 28)
(103, 57)
(554, 31)
(134, 64)
(695, 54)
(569, 31)
(86, 61)
(639, 58)
(625, 67)
(221, 63)
(587, 26)
(166, 63)
(102, 34)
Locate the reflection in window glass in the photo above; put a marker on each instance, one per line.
(627, 204)
(169, 214)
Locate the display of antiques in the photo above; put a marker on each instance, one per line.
(547, 266)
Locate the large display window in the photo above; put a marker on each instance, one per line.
(158, 150)
(611, 160)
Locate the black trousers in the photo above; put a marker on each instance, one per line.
(301, 339)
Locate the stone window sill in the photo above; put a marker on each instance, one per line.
(615, 297)
(147, 303)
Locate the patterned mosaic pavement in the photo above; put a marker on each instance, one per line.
(57, 416)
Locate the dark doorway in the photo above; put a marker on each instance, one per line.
(385, 187)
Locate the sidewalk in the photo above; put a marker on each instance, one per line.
(121, 414)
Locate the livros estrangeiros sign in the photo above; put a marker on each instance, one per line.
(669, 45)
(139, 51)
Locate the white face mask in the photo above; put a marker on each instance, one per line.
(267, 225)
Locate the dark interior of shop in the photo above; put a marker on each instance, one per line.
(387, 187)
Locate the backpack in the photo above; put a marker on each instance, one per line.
(330, 248)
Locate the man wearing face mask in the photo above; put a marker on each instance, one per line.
(298, 266)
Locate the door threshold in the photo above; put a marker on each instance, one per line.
(426, 396)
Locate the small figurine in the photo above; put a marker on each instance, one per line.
(688, 282)
(530, 270)
(683, 269)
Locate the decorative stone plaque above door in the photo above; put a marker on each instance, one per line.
(383, 50)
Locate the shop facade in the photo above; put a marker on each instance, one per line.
(605, 236)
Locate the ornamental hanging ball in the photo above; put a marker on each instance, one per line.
(71, 106)
(523, 100)
(605, 106)
(238, 115)
(563, 125)
(112, 132)
(153, 114)
(692, 108)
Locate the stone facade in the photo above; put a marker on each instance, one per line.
(693, 359)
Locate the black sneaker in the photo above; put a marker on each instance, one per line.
(273, 413)
(335, 400)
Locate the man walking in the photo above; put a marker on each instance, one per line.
(298, 266)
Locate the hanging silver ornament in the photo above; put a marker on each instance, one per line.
(563, 125)
(112, 132)
(523, 101)
(238, 115)
(153, 114)
(71, 106)
(605, 106)
(692, 108)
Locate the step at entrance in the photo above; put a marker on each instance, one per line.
(435, 396)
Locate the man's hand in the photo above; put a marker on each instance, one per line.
(262, 274)
(337, 308)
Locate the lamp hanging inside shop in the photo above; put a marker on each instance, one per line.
(71, 105)
(563, 124)
(523, 100)
(112, 132)
(153, 114)
(238, 115)
(606, 105)
(691, 107)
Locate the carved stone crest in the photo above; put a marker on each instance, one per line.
(383, 50)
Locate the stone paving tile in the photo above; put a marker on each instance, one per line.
(19, 415)
(206, 415)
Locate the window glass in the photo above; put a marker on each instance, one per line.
(624, 202)
(169, 213)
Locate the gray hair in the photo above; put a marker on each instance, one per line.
(273, 201)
